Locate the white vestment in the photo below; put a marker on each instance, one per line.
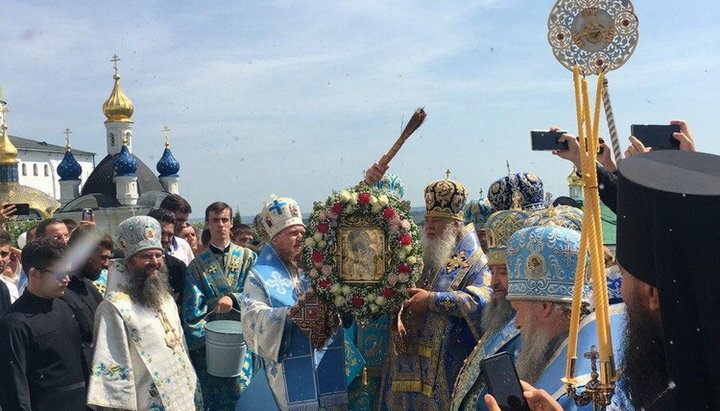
(140, 361)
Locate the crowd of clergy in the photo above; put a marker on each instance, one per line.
(90, 321)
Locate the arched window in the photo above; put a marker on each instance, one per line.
(35, 172)
(24, 169)
(47, 171)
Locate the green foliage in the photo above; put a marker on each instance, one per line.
(17, 227)
(237, 218)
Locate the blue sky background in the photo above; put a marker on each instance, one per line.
(298, 98)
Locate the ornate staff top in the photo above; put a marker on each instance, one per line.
(597, 35)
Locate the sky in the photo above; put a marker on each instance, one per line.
(297, 98)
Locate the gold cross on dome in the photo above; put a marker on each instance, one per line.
(447, 174)
(114, 61)
(166, 136)
(67, 133)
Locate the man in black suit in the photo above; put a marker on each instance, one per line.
(176, 268)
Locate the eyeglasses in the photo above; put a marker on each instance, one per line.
(56, 273)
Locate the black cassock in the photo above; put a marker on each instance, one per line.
(41, 361)
(83, 299)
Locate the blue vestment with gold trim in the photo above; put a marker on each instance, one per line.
(442, 338)
(207, 280)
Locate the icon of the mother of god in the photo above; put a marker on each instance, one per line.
(362, 256)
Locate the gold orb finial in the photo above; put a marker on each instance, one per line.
(8, 151)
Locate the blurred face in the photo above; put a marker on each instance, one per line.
(289, 241)
(98, 261)
(146, 263)
(436, 226)
(499, 280)
(181, 221)
(219, 224)
(188, 234)
(48, 282)
(242, 238)
(58, 231)
(167, 234)
(5, 256)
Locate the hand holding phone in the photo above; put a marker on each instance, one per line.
(659, 137)
(503, 383)
(10, 210)
(547, 141)
(87, 214)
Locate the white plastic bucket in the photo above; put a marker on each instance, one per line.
(225, 348)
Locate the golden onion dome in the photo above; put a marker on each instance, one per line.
(573, 179)
(13, 192)
(118, 106)
(8, 152)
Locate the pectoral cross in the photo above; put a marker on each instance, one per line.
(67, 133)
(166, 136)
(114, 61)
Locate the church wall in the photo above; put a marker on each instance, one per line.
(45, 163)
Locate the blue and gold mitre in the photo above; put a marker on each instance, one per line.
(541, 264)
(528, 185)
(501, 225)
(558, 216)
(391, 185)
(477, 212)
(445, 199)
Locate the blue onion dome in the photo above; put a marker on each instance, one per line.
(125, 163)
(168, 166)
(391, 185)
(69, 168)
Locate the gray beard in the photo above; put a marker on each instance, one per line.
(536, 351)
(437, 250)
(496, 314)
(149, 291)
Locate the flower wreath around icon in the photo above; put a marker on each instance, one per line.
(372, 278)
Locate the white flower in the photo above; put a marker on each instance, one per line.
(346, 289)
(309, 242)
(345, 196)
(371, 297)
(339, 301)
(317, 236)
(349, 209)
(335, 288)
(353, 199)
(407, 249)
(405, 224)
(383, 200)
(411, 260)
(321, 244)
(374, 308)
(402, 254)
(313, 273)
(373, 200)
(381, 300)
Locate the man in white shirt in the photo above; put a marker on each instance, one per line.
(179, 248)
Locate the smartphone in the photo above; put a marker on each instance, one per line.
(20, 208)
(503, 383)
(87, 214)
(547, 140)
(656, 136)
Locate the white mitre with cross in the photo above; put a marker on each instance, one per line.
(279, 214)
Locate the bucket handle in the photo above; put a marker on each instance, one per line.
(212, 311)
